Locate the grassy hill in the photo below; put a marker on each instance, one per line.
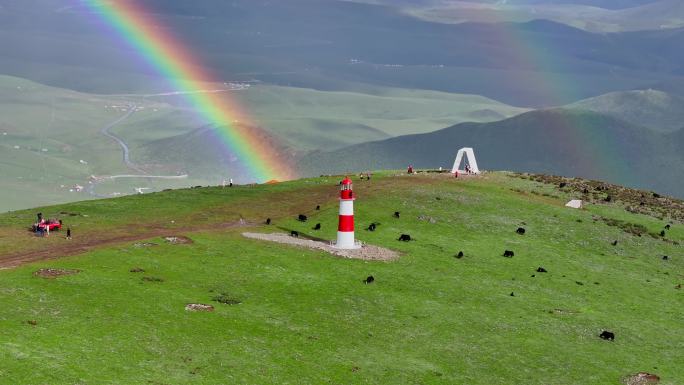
(305, 317)
(559, 141)
(45, 132)
(649, 108)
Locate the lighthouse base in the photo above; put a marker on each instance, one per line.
(345, 241)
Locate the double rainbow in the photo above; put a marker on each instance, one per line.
(180, 66)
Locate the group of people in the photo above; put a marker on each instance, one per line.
(367, 175)
(42, 226)
(468, 170)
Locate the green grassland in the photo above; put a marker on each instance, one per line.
(305, 317)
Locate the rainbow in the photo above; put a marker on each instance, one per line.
(595, 154)
(180, 66)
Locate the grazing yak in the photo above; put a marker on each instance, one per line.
(404, 237)
(520, 231)
(396, 214)
(541, 270)
(302, 218)
(459, 255)
(614, 243)
(508, 254)
(318, 207)
(317, 227)
(667, 227)
(372, 227)
(608, 336)
(294, 233)
(268, 221)
(368, 280)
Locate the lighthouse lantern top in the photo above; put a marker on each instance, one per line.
(346, 189)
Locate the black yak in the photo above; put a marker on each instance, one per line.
(606, 335)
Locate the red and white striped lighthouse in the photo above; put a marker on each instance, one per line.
(345, 229)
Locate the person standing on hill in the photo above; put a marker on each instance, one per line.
(68, 233)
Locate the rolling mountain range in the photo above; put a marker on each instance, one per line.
(343, 46)
(567, 141)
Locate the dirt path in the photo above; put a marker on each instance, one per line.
(74, 247)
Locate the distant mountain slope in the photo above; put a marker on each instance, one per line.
(590, 15)
(559, 141)
(343, 46)
(203, 154)
(649, 108)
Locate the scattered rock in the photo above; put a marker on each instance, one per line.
(144, 244)
(198, 307)
(178, 240)
(32, 322)
(54, 273)
(427, 219)
(641, 378)
(563, 311)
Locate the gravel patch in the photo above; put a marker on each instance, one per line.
(198, 307)
(366, 252)
(54, 273)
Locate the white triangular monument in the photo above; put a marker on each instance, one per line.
(470, 159)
